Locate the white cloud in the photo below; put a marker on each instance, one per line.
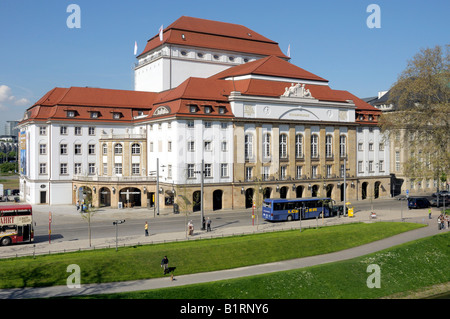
(7, 98)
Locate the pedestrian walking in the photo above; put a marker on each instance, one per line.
(146, 229)
(208, 224)
(190, 228)
(78, 205)
(429, 213)
(165, 264)
(439, 220)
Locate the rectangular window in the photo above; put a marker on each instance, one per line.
(42, 149)
(381, 165)
(63, 130)
(63, 149)
(42, 130)
(397, 161)
(43, 168)
(224, 146)
(248, 173)
(314, 146)
(299, 171)
(266, 173)
(135, 169)
(169, 171)
(77, 168)
(329, 170)
(91, 168)
(77, 149)
(191, 146)
(91, 130)
(169, 146)
(370, 146)
(208, 170)
(118, 168)
(190, 171)
(371, 166)
(314, 171)
(283, 172)
(381, 146)
(208, 146)
(105, 168)
(190, 124)
(360, 147)
(360, 167)
(208, 124)
(91, 149)
(77, 130)
(63, 169)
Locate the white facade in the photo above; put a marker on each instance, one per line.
(56, 153)
(373, 157)
(180, 143)
(168, 66)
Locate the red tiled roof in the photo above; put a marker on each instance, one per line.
(215, 35)
(269, 66)
(95, 96)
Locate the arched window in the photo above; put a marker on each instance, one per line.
(248, 151)
(329, 146)
(118, 148)
(343, 146)
(314, 146)
(266, 145)
(283, 146)
(135, 148)
(299, 146)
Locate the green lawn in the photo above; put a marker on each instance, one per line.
(143, 262)
(407, 267)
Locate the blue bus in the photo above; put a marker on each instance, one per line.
(290, 209)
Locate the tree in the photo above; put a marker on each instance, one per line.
(421, 118)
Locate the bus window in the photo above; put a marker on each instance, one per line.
(290, 205)
(279, 206)
(267, 204)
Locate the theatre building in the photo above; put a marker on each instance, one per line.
(206, 92)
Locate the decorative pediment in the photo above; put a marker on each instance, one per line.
(161, 110)
(297, 90)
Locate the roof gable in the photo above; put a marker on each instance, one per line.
(271, 66)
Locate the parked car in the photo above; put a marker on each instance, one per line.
(439, 201)
(418, 202)
(441, 193)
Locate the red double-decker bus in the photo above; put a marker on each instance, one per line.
(16, 224)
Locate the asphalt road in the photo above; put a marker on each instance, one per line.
(68, 225)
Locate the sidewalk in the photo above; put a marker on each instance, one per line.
(88, 289)
(61, 246)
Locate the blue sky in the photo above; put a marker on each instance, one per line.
(327, 37)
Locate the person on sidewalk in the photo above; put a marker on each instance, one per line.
(146, 229)
(165, 264)
(208, 224)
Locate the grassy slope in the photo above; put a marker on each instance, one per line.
(143, 262)
(408, 267)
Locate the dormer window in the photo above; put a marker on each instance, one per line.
(94, 115)
(193, 108)
(208, 109)
(222, 110)
(117, 115)
(70, 113)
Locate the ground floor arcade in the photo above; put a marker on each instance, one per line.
(224, 196)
